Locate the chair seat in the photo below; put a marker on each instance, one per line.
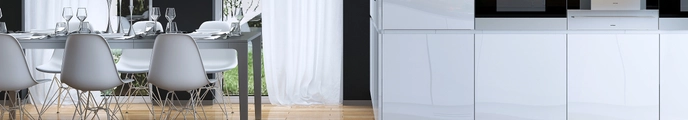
(217, 69)
(50, 68)
(127, 68)
(43, 81)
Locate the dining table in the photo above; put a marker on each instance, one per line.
(239, 43)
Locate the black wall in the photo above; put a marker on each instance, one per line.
(12, 14)
(356, 50)
(190, 14)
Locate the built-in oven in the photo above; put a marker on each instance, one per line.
(520, 14)
(520, 8)
(673, 9)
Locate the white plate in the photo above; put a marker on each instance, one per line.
(199, 35)
(207, 30)
(21, 35)
(44, 31)
(112, 35)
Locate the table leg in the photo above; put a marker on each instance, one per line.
(242, 52)
(257, 74)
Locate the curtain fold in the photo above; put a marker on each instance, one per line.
(43, 14)
(303, 48)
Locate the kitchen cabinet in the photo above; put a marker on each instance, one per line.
(428, 14)
(673, 79)
(427, 76)
(520, 77)
(613, 76)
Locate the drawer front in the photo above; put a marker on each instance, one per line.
(613, 20)
(638, 23)
(615, 5)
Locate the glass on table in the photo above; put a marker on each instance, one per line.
(61, 28)
(172, 27)
(170, 14)
(85, 27)
(81, 15)
(67, 15)
(150, 27)
(0, 13)
(3, 27)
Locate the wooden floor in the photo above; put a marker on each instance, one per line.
(270, 112)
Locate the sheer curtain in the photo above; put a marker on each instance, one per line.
(303, 51)
(43, 14)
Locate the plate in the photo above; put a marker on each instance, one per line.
(44, 31)
(207, 30)
(21, 35)
(112, 35)
(199, 35)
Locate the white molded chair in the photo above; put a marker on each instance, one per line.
(223, 26)
(54, 66)
(176, 65)
(88, 66)
(15, 70)
(140, 26)
(133, 61)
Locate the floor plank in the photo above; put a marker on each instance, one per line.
(270, 112)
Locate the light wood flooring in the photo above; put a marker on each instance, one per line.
(270, 112)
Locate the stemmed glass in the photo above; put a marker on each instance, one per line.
(239, 15)
(81, 15)
(67, 15)
(0, 13)
(154, 14)
(170, 14)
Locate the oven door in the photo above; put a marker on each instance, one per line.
(520, 8)
(673, 9)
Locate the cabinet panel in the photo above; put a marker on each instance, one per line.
(427, 77)
(673, 79)
(613, 77)
(428, 14)
(520, 77)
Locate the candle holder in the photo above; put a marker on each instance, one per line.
(109, 24)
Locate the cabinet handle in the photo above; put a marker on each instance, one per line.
(613, 16)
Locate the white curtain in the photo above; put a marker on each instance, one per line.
(303, 51)
(43, 14)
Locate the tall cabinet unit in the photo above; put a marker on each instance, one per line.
(673, 79)
(613, 76)
(427, 77)
(520, 77)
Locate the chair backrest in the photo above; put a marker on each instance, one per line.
(223, 26)
(74, 25)
(176, 63)
(136, 57)
(223, 57)
(124, 22)
(141, 25)
(14, 71)
(88, 64)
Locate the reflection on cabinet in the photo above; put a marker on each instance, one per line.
(520, 77)
(673, 79)
(613, 76)
(428, 14)
(427, 76)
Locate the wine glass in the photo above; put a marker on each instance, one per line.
(239, 14)
(154, 14)
(3, 27)
(0, 13)
(170, 14)
(81, 15)
(172, 27)
(67, 15)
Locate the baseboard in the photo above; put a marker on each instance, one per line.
(358, 102)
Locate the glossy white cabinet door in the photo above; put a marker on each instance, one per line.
(520, 77)
(428, 14)
(613, 76)
(673, 77)
(427, 77)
